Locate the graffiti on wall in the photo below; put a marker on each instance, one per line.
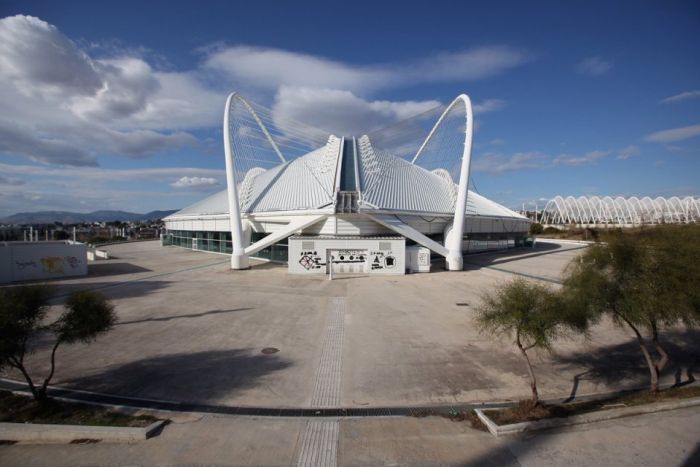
(72, 261)
(52, 264)
(382, 259)
(25, 264)
(311, 260)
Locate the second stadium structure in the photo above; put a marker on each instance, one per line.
(379, 203)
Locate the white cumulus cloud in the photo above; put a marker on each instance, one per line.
(64, 105)
(342, 112)
(489, 105)
(627, 152)
(195, 182)
(574, 160)
(684, 96)
(498, 163)
(673, 134)
(271, 68)
(594, 66)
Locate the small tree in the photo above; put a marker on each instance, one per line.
(86, 315)
(536, 228)
(526, 311)
(642, 282)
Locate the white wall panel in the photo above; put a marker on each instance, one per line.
(42, 260)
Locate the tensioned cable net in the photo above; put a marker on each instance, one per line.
(261, 141)
(430, 140)
(444, 149)
(413, 165)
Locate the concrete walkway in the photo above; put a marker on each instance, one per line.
(361, 343)
(668, 439)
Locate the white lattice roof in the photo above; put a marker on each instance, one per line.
(387, 183)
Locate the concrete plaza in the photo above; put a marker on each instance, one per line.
(192, 330)
(667, 438)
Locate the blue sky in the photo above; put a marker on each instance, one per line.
(117, 105)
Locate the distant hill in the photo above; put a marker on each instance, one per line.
(66, 217)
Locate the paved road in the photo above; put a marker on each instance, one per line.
(667, 439)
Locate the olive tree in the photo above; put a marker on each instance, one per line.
(23, 310)
(527, 312)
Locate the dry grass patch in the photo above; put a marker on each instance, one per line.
(22, 409)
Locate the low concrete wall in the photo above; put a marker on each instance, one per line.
(94, 254)
(23, 261)
(38, 433)
(592, 417)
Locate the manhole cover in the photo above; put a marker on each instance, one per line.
(269, 350)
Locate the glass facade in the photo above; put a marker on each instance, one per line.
(220, 242)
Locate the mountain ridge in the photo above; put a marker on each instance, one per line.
(69, 217)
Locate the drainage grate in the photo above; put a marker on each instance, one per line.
(462, 304)
(269, 350)
(254, 411)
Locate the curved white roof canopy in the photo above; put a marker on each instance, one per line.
(308, 183)
(284, 166)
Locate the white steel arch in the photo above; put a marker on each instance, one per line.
(648, 203)
(546, 212)
(254, 114)
(585, 210)
(453, 241)
(577, 216)
(693, 207)
(665, 209)
(620, 211)
(624, 206)
(598, 206)
(610, 207)
(637, 207)
(678, 208)
(239, 260)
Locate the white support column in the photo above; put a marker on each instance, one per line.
(453, 242)
(239, 259)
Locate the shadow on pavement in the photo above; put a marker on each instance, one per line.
(191, 315)
(475, 261)
(185, 377)
(112, 290)
(614, 363)
(109, 268)
(263, 265)
(693, 459)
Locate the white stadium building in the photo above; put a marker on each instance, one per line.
(379, 203)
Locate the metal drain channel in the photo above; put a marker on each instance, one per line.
(89, 397)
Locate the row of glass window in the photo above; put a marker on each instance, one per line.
(220, 242)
